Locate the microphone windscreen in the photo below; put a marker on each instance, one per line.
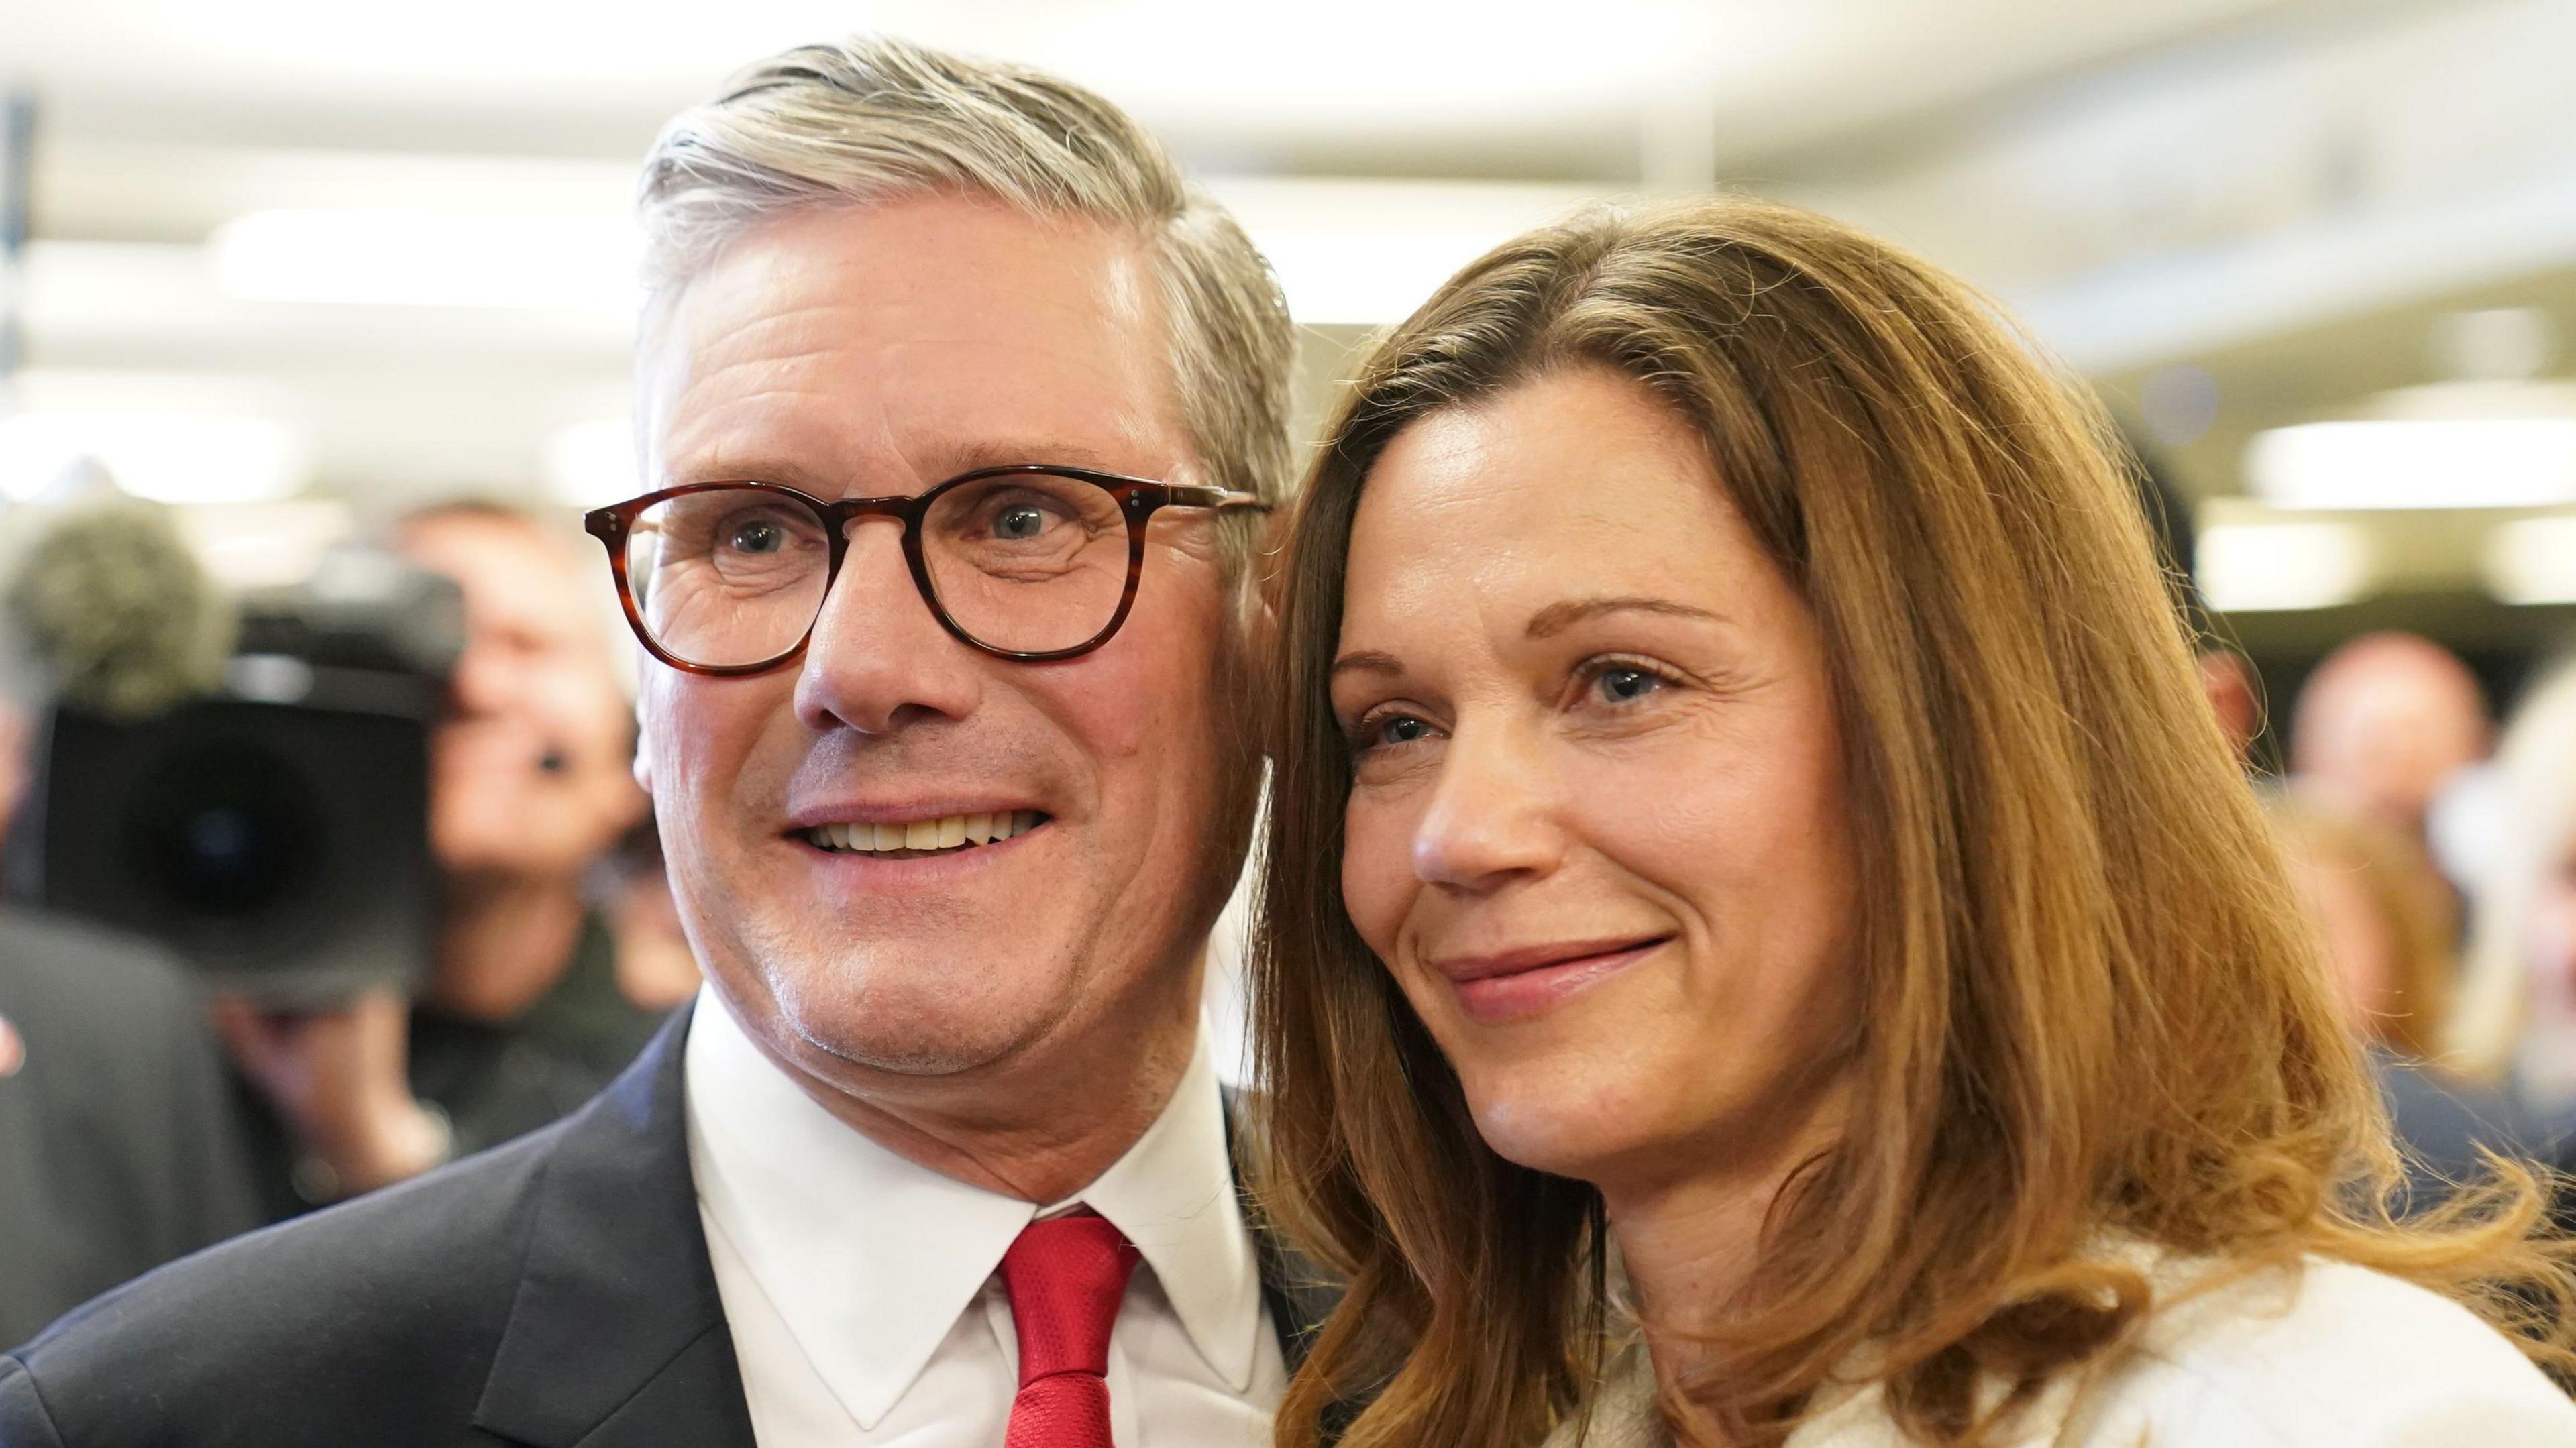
(109, 599)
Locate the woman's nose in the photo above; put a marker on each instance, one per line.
(1492, 817)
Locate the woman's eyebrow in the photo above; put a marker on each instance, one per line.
(1367, 661)
(1558, 617)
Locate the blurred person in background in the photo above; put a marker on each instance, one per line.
(2385, 922)
(119, 1147)
(2383, 723)
(961, 406)
(524, 1016)
(2516, 1018)
(655, 969)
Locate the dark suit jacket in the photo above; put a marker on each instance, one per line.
(552, 1292)
(118, 1146)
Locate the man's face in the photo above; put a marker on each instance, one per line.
(529, 770)
(876, 352)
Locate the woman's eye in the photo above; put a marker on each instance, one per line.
(1621, 685)
(1402, 729)
(1387, 731)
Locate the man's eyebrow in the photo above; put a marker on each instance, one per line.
(947, 463)
(1367, 661)
(966, 457)
(1556, 618)
(752, 468)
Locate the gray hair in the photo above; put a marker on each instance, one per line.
(873, 119)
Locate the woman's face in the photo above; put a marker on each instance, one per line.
(1597, 829)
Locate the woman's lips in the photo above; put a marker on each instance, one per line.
(1523, 984)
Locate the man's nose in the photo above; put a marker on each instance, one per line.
(1493, 815)
(878, 660)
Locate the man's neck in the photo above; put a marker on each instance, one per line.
(503, 941)
(1039, 1126)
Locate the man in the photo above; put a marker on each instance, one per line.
(118, 1146)
(523, 1018)
(2383, 723)
(936, 1159)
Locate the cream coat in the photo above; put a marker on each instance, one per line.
(2335, 1356)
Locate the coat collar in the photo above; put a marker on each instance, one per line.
(616, 1338)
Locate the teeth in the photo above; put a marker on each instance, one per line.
(946, 833)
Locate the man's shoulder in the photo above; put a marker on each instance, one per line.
(49, 958)
(376, 1311)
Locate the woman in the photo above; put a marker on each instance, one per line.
(1764, 938)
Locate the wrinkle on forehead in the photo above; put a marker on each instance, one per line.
(872, 342)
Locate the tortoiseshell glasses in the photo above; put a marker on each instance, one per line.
(1030, 562)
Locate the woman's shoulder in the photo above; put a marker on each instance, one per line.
(2330, 1353)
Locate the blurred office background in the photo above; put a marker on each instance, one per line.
(298, 265)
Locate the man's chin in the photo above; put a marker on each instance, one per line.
(879, 1030)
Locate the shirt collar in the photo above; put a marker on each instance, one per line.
(870, 1258)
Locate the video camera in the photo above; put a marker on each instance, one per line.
(274, 834)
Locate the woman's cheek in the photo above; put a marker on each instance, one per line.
(1377, 871)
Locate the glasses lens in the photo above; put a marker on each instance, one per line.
(1028, 562)
(728, 576)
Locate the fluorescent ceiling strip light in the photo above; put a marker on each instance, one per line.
(2532, 560)
(170, 457)
(1367, 278)
(2250, 567)
(537, 261)
(2521, 462)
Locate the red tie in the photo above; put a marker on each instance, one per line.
(1065, 1276)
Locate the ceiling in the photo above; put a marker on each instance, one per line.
(2284, 196)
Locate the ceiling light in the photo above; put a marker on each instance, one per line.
(1363, 278)
(536, 260)
(2493, 462)
(2246, 567)
(2532, 560)
(170, 457)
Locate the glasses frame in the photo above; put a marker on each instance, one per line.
(1139, 499)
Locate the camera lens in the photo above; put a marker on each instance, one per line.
(228, 830)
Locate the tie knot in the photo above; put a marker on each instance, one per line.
(1065, 1276)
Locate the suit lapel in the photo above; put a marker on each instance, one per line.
(1299, 1293)
(617, 1337)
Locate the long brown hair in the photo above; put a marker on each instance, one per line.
(2090, 1011)
(2409, 903)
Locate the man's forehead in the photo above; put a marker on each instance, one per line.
(941, 331)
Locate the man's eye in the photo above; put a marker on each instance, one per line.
(759, 535)
(1019, 522)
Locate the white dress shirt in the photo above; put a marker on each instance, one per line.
(863, 1293)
